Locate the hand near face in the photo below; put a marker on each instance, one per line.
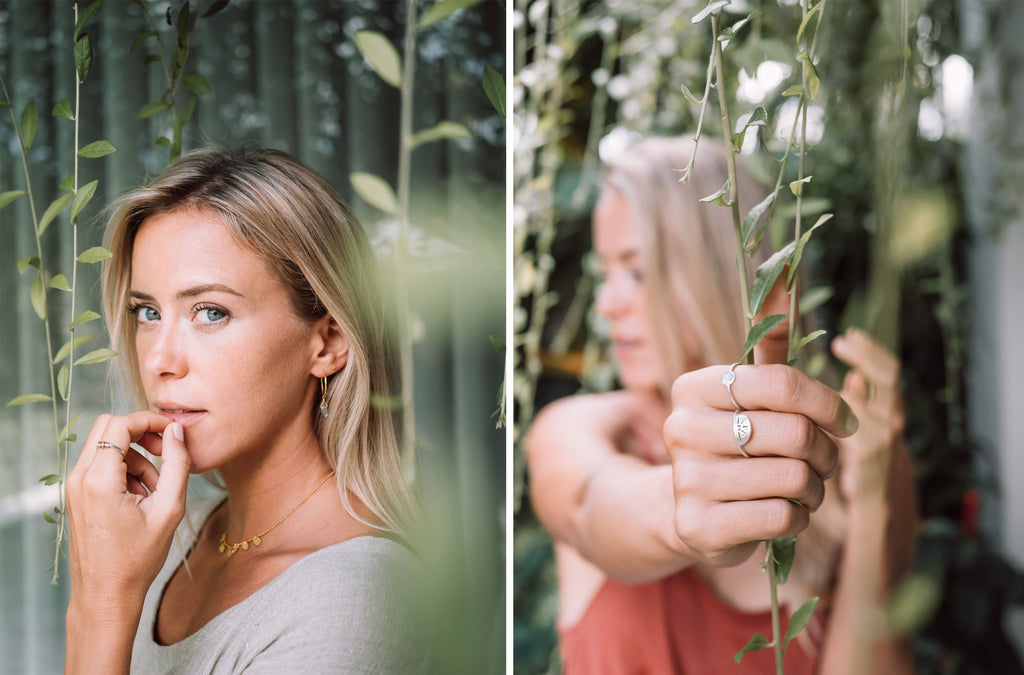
(122, 512)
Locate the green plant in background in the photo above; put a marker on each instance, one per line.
(78, 196)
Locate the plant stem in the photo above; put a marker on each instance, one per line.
(794, 316)
(401, 248)
(730, 155)
(769, 560)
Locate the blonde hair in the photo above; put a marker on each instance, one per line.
(689, 249)
(295, 222)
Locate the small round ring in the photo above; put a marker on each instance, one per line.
(108, 444)
(728, 377)
(741, 430)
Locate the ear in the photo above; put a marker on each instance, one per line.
(329, 347)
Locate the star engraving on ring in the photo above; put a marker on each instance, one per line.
(741, 428)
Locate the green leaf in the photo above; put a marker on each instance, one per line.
(70, 438)
(442, 10)
(766, 275)
(808, 339)
(96, 356)
(757, 119)
(83, 56)
(28, 398)
(85, 317)
(189, 110)
(754, 216)
(9, 196)
(719, 197)
(799, 251)
(730, 32)
(51, 479)
(68, 427)
(82, 198)
(63, 377)
(163, 142)
(439, 131)
(68, 184)
(140, 39)
(32, 260)
(382, 56)
(48, 518)
(60, 282)
(63, 352)
(494, 87)
(197, 84)
(795, 90)
(94, 255)
(183, 17)
(797, 186)
(63, 109)
(813, 80)
(97, 149)
(29, 122)
(85, 16)
(4, 103)
(690, 95)
(55, 207)
(215, 7)
(37, 293)
(807, 19)
(759, 330)
(813, 298)
(150, 109)
(375, 191)
(498, 345)
(783, 550)
(713, 6)
(757, 643)
(798, 621)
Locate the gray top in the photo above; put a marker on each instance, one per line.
(342, 609)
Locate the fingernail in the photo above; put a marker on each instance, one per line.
(178, 432)
(851, 423)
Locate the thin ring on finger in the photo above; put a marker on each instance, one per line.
(728, 377)
(108, 444)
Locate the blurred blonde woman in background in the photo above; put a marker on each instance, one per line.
(242, 295)
(658, 517)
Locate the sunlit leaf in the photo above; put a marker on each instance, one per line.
(84, 17)
(375, 191)
(720, 197)
(914, 601)
(32, 260)
(795, 90)
(757, 118)
(85, 317)
(51, 479)
(197, 84)
(813, 80)
(690, 95)
(60, 282)
(94, 255)
(29, 122)
(97, 149)
(798, 621)
(783, 550)
(440, 131)
(83, 56)
(814, 298)
(63, 109)
(754, 216)
(381, 55)
(82, 198)
(494, 87)
(63, 352)
(807, 19)
(37, 294)
(757, 643)
(140, 39)
(55, 207)
(63, 378)
(806, 340)
(713, 6)
(96, 356)
(151, 109)
(759, 330)
(215, 7)
(766, 275)
(442, 10)
(28, 398)
(68, 427)
(9, 196)
(799, 251)
(48, 518)
(797, 186)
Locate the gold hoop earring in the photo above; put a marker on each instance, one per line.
(323, 396)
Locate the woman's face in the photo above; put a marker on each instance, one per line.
(220, 348)
(621, 297)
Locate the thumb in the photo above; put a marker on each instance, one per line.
(774, 347)
(174, 471)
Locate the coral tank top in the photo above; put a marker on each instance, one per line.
(674, 625)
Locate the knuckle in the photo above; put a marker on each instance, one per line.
(678, 430)
(797, 477)
(799, 433)
(784, 382)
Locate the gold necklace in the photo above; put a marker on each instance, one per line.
(231, 549)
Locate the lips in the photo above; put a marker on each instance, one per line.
(177, 412)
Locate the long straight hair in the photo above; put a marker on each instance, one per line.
(292, 219)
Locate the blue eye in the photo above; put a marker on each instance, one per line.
(211, 314)
(145, 314)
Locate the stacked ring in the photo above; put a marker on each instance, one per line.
(108, 444)
(741, 427)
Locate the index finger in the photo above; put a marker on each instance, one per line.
(859, 350)
(770, 387)
(122, 431)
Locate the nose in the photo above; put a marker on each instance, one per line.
(161, 352)
(614, 295)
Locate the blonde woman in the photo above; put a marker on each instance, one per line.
(242, 297)
(659, 509)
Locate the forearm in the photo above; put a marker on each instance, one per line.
(99, 640)
(857, 640)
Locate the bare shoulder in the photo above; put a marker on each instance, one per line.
(600, 414)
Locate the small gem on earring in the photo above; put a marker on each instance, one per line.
(323, 408)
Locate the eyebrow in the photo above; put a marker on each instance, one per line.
(190, 292)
